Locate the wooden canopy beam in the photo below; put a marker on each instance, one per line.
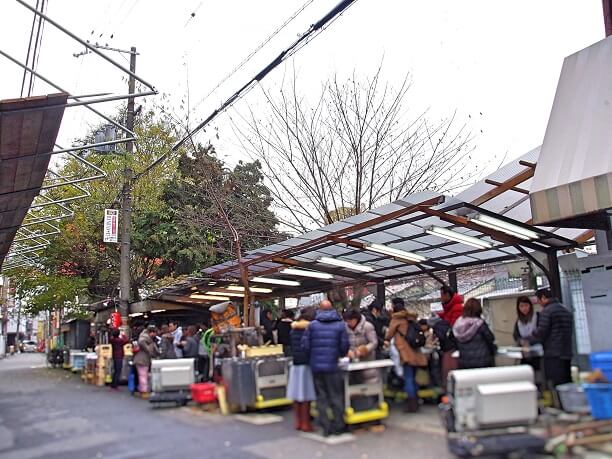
(514, 188)
(505, 186)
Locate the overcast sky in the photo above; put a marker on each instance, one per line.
(496, 63)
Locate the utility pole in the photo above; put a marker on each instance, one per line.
(126, 204)
(126, 193)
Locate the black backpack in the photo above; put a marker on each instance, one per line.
(444, 333)
(415, 336)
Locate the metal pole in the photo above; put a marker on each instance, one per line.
(607, 13)
(381, 292)
(126, 205)
(452, 280)
(17, 340)
(554, 276)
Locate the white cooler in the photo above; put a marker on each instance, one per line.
(503, 404)
(172, 374)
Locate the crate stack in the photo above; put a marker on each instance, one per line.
(103, 366)
(600, 394)
(91, 363)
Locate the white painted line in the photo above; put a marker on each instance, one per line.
(331, 440)
(259, 419)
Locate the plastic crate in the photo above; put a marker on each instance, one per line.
(573, 398)
(203, 393)
(602, 361)
(600, 399)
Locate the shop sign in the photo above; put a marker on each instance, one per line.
(111, 225)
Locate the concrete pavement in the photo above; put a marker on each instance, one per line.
(52, 414)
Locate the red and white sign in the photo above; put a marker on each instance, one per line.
(111, 225)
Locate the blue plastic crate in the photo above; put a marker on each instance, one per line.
(602, 361)
(600, 399)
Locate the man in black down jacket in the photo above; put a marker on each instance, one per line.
(325, 341)
(555, 331)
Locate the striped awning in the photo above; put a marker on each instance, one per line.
(573, 179)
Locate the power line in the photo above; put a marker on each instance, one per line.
(37, 47)
(303, 39)
(25, 72)
(255, 51)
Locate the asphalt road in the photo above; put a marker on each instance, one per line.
(51, 414)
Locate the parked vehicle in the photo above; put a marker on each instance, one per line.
(29, 346)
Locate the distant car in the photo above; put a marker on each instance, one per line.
(28, 346)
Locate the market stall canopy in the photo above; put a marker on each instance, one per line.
(28, 130)
(422, 233)
(573, 182)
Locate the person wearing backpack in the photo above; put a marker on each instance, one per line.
(403, 330)
(475, 340)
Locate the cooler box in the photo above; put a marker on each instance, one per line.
(602, 361)
(77, 360)
(204, 393)
(506, 404)
(172, 374)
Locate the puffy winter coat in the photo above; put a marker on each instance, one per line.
(398, 329)
(452, 310)
(148, 350)
(476, 343)
(300, 357)
(364, 334)
(325, 341)
(555, 330)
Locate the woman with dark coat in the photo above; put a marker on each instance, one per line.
(300, 387)
(475, 340)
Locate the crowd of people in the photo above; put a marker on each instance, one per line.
(169, 341)
(319, 338)
(458, 336)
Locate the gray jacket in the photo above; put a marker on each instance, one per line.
(364, 334)
(148, 350)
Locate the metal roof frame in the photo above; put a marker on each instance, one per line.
(402, 222)
(53, 180)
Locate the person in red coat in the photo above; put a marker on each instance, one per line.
(452, 304)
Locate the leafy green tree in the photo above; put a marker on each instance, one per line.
(41, 292)
(79, 251)
(190, 231)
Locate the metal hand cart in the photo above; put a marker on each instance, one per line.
(356, 388)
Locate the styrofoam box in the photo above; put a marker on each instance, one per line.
(506, 404)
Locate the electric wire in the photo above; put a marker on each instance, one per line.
(303, 39)
(25, 72)
(37, 47)
(255, 51)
